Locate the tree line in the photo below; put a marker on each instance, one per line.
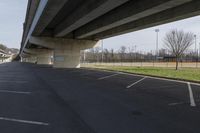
(176, 48)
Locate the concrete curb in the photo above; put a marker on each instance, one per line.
(151, 76)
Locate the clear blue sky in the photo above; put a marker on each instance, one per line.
(12, 14)
(146, 39)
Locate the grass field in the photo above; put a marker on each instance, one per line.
(191, 74)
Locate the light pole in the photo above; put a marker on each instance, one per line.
(102, 50)
(84, 57)
(199, 49)
(135, 47)
(195, 37)
(157, 31)
(199, 53)
(195, 53)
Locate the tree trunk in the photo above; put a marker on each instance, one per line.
(176, 63)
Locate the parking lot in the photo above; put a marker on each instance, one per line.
(42, 99)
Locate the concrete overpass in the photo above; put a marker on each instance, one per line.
(59, 30)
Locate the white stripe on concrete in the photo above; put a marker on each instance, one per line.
(192, 102)
(173, 104)
(138, 75)
(15, 92)
(24, 121)
(164, 86)
(108, 76)
(117, 72)
(179, 103)
(172, 80)
(131, 85)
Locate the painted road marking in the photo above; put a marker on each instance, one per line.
(109, 76)
(117, 72)
(164, 86)
(178, 103)
(138, 75)
(131, 85)
(15, 92)
(192, 102)
(24, 121)
(172, 80)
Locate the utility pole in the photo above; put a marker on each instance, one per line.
(157, 31)
(199, 49)
(102, 51)
(135, 47)
(195, 53)
(84, 57)
(199, 53)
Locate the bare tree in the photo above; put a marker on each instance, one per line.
(177, 42)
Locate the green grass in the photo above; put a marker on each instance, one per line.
(182, 74)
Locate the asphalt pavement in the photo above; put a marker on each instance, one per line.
(42, 99)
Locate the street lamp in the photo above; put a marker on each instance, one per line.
(157, 31)
(199, 49)
(195, 37)
(102, 50)
(195, 53)
(199, 53)
(84, 56)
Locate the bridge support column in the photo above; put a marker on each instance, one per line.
(25, 59)
(40, 56)
(66, 52)
(67, 57)
(44, 59)
(31, 59)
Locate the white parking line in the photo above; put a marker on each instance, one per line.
(118, 72)
(164, 86)
(129, 86)
(173, 80)
(138, 75)
(108, 76)
(178, 103)
(15, 92)
(192, 102)
(24, 121)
